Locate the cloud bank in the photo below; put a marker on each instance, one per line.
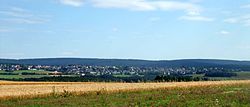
(75, 3)
(137, 5)
(22, 16)
(191, 9)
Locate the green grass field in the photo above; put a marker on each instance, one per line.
(18, 75)
(28, 71)
(240, 76)
(122, 75)
(126, 75)
(243, 75)
(208, 96)
(21, 76)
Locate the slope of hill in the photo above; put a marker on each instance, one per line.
(129, 62)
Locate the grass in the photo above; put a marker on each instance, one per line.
(124, 76)
(21, 76)
(28, 71)
(17, 74)
(240, 76)
(230, 95)
(243, 75)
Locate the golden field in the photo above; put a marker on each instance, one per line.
(14, 89)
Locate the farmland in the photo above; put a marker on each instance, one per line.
(22, 74)
(209, 93)
(240, 76)
(28, 74)
(28, 71)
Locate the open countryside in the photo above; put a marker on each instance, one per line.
(124, 84)
(223, 93)
(124, 53)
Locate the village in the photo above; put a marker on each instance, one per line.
(83, 70)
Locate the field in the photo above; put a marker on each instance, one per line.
(18, 74)
(127, 75)
(240, 76)
(210, 93)
(21, 76)
(28, 71)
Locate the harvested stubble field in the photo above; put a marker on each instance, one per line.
(10, 89)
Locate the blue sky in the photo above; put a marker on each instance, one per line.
(126, 29)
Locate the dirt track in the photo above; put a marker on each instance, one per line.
(10, 89)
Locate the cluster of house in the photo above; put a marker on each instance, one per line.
(110, 70)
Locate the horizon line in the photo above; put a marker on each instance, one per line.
(125, 58)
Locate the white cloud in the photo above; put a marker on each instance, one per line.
(147, 5)
(18, 9)
(192, 10)
(16, 12)
(223, 32)
(195, 1)
(196, 18)
(174, 5)
(25, 21)
(75, 3)
(22, 16)
(245, 20)
(139, 5)
(193, 13)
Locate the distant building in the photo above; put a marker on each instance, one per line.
(55, 73)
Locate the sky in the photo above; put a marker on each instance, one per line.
(125, 29)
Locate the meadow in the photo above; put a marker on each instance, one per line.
(209, 93)
(240, 76)
(29, 71)
(19, 74)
